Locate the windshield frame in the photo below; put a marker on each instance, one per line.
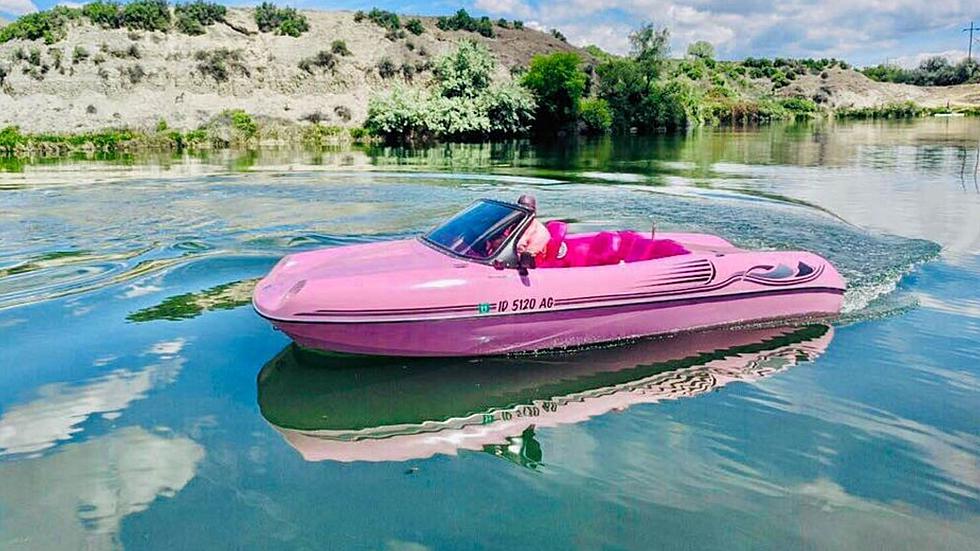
(505, 247)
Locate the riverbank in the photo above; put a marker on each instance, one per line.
(106, 79)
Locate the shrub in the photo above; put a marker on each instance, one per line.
(394, 35)
(385, 19)
(3, 75)
(34, 58)
(79, 55)
(462, 21)
(322, 60)
(147, 15)
(343, 112)
(220, 63)
(339, 47)
(595, 116)
(503, 24)
(386, 68)
(50, 25)
(134, 73)
(465, 72)
(414, 26)
(557, 81)
(283, 21)
(359, 16)
(104, 14)
(799, 105)
(192, 18)
(557, 34)
(91, 110)
(518, 24)
(162, 125)
(243, 123)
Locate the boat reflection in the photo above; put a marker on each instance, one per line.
(345, 408)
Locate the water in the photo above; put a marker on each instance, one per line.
(144, 405)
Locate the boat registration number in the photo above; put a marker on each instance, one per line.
(520, 305)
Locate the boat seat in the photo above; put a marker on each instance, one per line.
(604, 248)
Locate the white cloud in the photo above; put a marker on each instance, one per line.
(17, 7)
(761, 27)
(912, 61)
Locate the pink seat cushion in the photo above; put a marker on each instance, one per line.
(650, 249)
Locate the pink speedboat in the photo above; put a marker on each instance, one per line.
(462, 289)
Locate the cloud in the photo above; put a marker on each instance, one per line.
(17, 7)
(841, 28)
(912, 61)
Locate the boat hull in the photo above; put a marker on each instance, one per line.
(477, 336)
(403, 299)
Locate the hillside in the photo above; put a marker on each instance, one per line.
(121, 78)
(94, 78)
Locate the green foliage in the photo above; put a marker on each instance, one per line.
(902, 110)
(135, 73)
(671, 104)
(799, 105)
(701, 49)
(462, 21)
(557, 81)
(595, 116)
(503, 24)
(518, 25)
(339, 47)
(462, 104)
(162, 125)
(623, 85)
(282, 21)
(598, 53)
(558, 34)
(465, 72)
(220, 63)
(935, 71)
(324, 60)
(385, 19)
(415, 27)
(192, 18)
(104, 14)
(11, 140)
(79, 55)
(649, 47)
(147, 15)
(50, 26)
(243, 123)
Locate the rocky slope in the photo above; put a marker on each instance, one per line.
(135, 79)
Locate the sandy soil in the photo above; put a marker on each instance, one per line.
(88, 95)
(850, 88)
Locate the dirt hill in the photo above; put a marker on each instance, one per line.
(97, 78)
(839, 88)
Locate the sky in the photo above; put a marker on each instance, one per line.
(863, 32)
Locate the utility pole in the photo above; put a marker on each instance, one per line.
(971, 28)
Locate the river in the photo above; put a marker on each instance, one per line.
(144, 405)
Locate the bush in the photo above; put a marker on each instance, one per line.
(557, 81)
(35, 57)
(343, 112)
(134, 73)
(220, 63)
(192, 18)
(322, 60)
(557, 34)
(387, 68)
(162, 125)
(503, 24)
(79, 55)
(282, 21)
(385, 19)
(3, 75)
(243, 123)
(104, 14)
(339, 47)
(147, 15)
(595, 116)
(465, 72)
(799, 105)
(518, 24)
(461, 105)
(462, 21)
(51, 25)
(415, 27)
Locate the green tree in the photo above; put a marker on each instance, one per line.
(701, 49)
(649, 46)
(623, 85)
(465, 72)
(557, 81)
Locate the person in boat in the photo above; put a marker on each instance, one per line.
(536, 237)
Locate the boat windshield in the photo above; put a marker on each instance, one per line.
(479, 231)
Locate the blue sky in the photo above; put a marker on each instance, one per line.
(861, 31)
